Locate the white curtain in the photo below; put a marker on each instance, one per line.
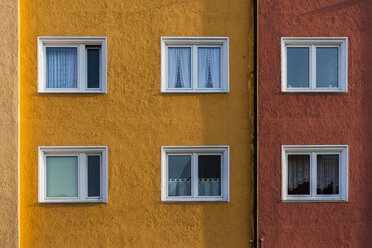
(298, 171)
(179, 187)
(179, 67)
(328, 172)
(61, 67)
(209, 68)
(209, 187)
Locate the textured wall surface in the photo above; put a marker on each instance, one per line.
(134, 120)
(315, 118)
(9, 224)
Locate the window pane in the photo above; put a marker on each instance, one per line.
(94, 175)
(298, 67)
(209, 67)
(209, 171)
(62, 176)
(61, 67)
(179, 67)
(327, 67)
(327, 174)
(93, 68)
(298, 174)
(179, 175)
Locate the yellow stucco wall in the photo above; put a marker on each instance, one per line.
(9, 135)
(134, 120)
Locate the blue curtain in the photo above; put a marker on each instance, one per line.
(209, 67)
(179, 67)
(61, 71)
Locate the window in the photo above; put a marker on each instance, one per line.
(315, 173)
(72, 174)
(195, 64)
(72, 64)
(314, 64)
(199, 173)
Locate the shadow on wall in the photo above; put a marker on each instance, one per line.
(228, 119)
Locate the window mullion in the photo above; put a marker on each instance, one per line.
(82, 68)
(194, 70)
(194, 177)
(312, 67)
(341, 175)
(83, 175)
(313, 175)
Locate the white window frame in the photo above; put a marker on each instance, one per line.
(194, 151)
(312, 43)
(80, 43)
(313, 150)
(81, 152)
(194, 43)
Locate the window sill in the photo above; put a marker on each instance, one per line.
(315, 200)
(71, 92)
(314, 91)
(193, 91)
(71, 201)
(194, 200)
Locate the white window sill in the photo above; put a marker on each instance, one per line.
(314, 199)
(192, 199)
(299, 90)
(72, 201)
(73, 90)
(194, 91)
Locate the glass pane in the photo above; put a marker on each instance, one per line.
(179, 67)
(297, 67)
(179, 175)
(209, 67)
(327, 67)
(93, 68)
(209, 171)
(327, 174)
(298, 174)
(62, 176)
(94, 175)
(61, 67)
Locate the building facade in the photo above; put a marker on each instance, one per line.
(178, 124)
(314, 123)
(131, 123)
(9, 124)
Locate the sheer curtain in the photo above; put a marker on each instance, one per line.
(179, 187)
(327, 174)
(209, 186)
(61, 71)
(209, 68)
(298, 170)
(179, 67)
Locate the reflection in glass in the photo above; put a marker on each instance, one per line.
(209, 67)
(327, 174)
(298, 174)
(209, 171)
(297, 67)
(61, 67)
(62, 176)
(179, 175)
(94, 175)
(179, 67)
(327, 67)
(93, 68)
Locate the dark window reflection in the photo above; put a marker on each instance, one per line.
(327, 174)
(298, 174)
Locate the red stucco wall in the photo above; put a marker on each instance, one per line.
(315, 118)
